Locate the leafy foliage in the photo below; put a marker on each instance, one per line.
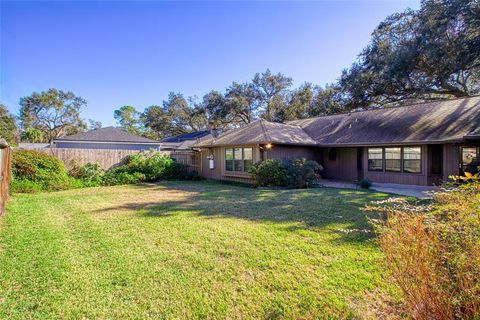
(129, 118)
(424, 54)
(151, 164)
(295, 173)
(269, 173)
(53, 112)
(91, 173)
(8, 125)
(35, 171)
(32, 135)
(432, 252)
(365, 183)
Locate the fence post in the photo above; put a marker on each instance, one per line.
(5, 173)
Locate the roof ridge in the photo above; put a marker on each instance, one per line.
(267, 135)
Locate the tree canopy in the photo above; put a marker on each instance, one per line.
(8, 125)
(53, 112)
(418, 55)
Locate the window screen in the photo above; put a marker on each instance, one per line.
(393, 159)
(412, 159)
(375, 159)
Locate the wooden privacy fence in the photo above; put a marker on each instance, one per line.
(108, 158)
(189, 158)
(5, 174)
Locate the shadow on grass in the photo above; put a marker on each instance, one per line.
(335, 209)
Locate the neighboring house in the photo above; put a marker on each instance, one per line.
(32, 146)
(421, 144)
(183, 141)
(106, 138)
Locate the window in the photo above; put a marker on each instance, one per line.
(390, 159)
(412, 159)
(247, 158)
(470, 160)
(238, 159)
(332, 154)
(375, 159)
(393, 159)
(229, 159)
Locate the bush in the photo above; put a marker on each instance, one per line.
(153, 165)
(297, 173)
(269, 173)
(117, 177)
(90, 174)
(44, 172)
(365, 183)
(301, 173)
(432, 251)
(24, 186)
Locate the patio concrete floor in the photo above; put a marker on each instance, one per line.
(421, 192)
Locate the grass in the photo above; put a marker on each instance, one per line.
(187, 250)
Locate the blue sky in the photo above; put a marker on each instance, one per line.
(134, 53)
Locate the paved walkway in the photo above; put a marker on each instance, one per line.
(421, 192)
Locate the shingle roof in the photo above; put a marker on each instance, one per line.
(186, 136)
(439, 121)
(260, 132)
(107, 134)
(431, 122)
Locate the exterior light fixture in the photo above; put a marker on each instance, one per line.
(268, 146)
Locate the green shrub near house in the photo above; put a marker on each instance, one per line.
(295, 173)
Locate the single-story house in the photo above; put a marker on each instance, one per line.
(421, 144)
(106, 138)
(183, 141)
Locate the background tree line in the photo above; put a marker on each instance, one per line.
(413, 56)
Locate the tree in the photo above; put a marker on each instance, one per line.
(296, 105)
(8, 125)
(216, 109)
(53, 112)
(424, 54)
(129, 118)
(176, 116)
(32, 135)
(241, 103)
(269, 91)
(328, 100)
(94, 124)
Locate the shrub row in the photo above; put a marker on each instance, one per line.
(36, 171)
(295, 173)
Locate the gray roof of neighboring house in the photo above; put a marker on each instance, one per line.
(438, 121)
(430, 122)
(107, 134)
(183, 141)
(260, 132)
(186, 136)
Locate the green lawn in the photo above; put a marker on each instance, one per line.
(188, 250)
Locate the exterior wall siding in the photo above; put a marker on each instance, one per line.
(285, 152)
(219, 172)
(344, 167)
(451, 160)
(276, 152)
(109, 146)
(398, 177)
